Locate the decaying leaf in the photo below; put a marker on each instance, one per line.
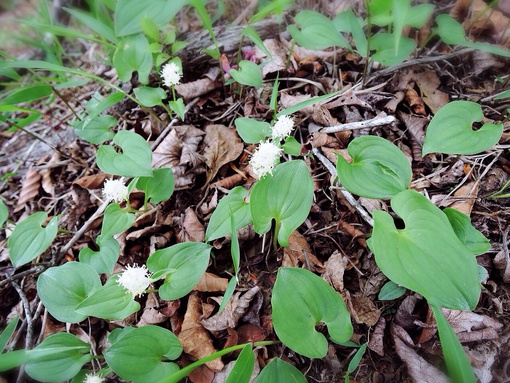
(429, 82)
(471, 327)
(151, 313)
(299, 251)
(376, 342)
(194, 338)
(192, 229)
(29, 188)
(222, 145)
(465, 198)
(334, 269)
(364, 310)
(210, 282)
(93, 181)
(415, 101)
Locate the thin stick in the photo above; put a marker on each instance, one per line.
(372, 123)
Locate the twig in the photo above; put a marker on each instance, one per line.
(377, 121)
(12, 278)
(348, 196)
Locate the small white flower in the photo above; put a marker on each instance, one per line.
(135, 279)
(264, 159)
(91, 378)
(170, 74)
(282, 127)
(115, 190)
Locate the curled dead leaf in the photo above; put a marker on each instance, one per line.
(29, 188)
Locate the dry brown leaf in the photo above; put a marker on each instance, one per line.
(364, 310)
(194, 338)
(465, 198)
(251, 333)
(93, 181)
(222, 145)
(210, 282)
(151, 312)
(471, 327)
(376, 342)
(428, 82)
(279, 53)
(299, 250)
(201, 374)
(197, 88)
(334, 269)
(192, 229)
(415, 101)
(502, 263)
(29, 188)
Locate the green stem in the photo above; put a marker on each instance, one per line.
(181, 374)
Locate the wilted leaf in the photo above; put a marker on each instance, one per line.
(29, 187)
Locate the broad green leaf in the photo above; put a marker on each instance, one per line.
(418, 15)
(103, 260)
(149, 96)
(59, 357)
(450, 30)
(130, 13)
(12, 359)
(301, 300)
(186, 263)
(243, 367)
(255, 38)
(482, 273)
(132, 54)
(468, 235)
(96, 130)
(29, 239)
(292, 146)
(111, 301)
(399, 11)
(134, 161)
(159, 187)
(7, 333)
(252, 131)
(94, 24)
(390, 291)
(62, 288)
(4, 213)
(451, 131)
(27, 94)
(378, 168)
(233, 204)
(278, 371)
(136, 355)
(277, 197)
(353, 364)
(116, 220)
(456, 359)
(247, 74)
(426, 256)
(178, 107)
(150, 29)
(317, 31)
(275, 7)
(348, 22)
(385, 51)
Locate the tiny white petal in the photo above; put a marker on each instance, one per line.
(115, 190)
(282, 127)
(264, 159)
(90, 378)
(135, 279)
(171, 74)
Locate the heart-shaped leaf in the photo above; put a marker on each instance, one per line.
(134, 161)
(184, 264)
(232, 204)
(301, 300)
(277, 197)
(178, 107)
(115, 221)
(132, 54)
(468, 235)
(136, 353)
(149, 96)
(103, 260)
(62, 288)
(278, 371)
(159, 187)
(426, 256)
(96, 130)
(247, 74)
(29, 239)
(378, 168)
(451, 131)
(252, 131)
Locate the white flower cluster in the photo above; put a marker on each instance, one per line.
(268, 153)
(171, 74)
(90, 378)
(135, 279)
(115, 190)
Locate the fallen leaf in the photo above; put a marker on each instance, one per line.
(93, 181)
(201, 374)
(376, 342)
(429, 82)
(415, 101)
(471, 327)
(192, 229)
(364, 310)
(465, 198)
(151, 313)
(299, 250)
(334, 269)
(194, 338)
(29, 188)
(210, 282)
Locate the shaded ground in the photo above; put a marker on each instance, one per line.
(57, 174)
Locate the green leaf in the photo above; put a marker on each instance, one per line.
(255, 38)
(450, 30)
(59, 357)
(301, 300)
(7, 333)
(385, 51)
(132, 54)
(456, 359)
(418, 15)
(134, 161)
(247, 74)
(186, 263)
(103, 261)
(62, 288)
(94, 24)
(150, 29)
(130, 13)
(234, 247)
(378, 168)
(278, 371)
(149, 96)
(29, 239)
(252, 131)
(159, 187)
(96, 130)
(233, 204)
(451, 131)
(12, 359)
(4, 212)
(390, 291)
(292, 146)
(178, 107)
(426, 256)
(116, 220)
(136, 355)
(304, 104)
(111, 301)
(502, 95)
(228, 293)
(317, 31)
(243, 367)
(27, 94)
(277, 197)
(468, 235)
(353, 364)
(348, 22)
(98, 104)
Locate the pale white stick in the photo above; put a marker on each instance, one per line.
(377, 121)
